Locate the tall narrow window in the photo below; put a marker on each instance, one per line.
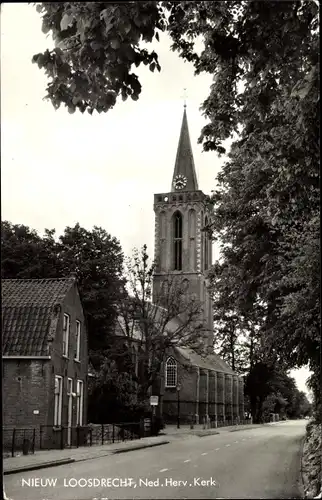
(78, 341)
(171, 373)
(206, 246)
(177, 247)
(66, 334)
(79, 402)
(58, 400)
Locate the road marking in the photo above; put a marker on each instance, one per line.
(204, 453)
(227, 444)
(163, 470)
(187, 461)
(217, 449)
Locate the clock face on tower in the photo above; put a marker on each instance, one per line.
(180, 181)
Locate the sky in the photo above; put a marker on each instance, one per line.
(58, 169)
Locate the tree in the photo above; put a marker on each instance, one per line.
(97, 260)
(96, 46)
(25, 254)
(285, 398)
(236, 330)
(271, 390)
(112, 395)
(299, 406)
(150, 328)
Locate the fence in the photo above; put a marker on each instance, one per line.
(185, 412)
(16, 439)
(45, 437)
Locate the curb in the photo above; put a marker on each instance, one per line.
(207, 435)
(302, 482)
(247, 428)
(65, 461)
(43, 465)
(139, 447)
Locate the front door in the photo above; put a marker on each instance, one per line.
(70, 412)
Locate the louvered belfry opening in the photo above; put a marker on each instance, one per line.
(206, 246)
(177, 241)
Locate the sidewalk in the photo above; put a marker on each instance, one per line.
(50, 458)
(171, 431)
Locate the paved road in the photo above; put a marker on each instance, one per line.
(254, 463)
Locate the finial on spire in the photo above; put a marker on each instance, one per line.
(184, 98)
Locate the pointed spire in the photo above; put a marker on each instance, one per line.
(185, 165)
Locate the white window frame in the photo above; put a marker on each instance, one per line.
(66, 328)
(58, 400)
(171, 363)
(78, 340)
(79, 402)
(69, 386)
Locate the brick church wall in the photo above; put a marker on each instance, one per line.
(241, 398)
(235, 397)
(203, 396)
(220, 395)
(212, 394)
(229, 396)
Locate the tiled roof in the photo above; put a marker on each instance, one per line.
(29, 314)
(210, 362)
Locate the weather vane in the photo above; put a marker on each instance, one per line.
(184, 97)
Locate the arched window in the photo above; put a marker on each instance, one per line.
(206, 246)
(177, 241)
(185, 285)
(171, 373)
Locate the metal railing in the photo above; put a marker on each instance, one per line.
(22, 440)
(46, 437)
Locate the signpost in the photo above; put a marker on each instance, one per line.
(154, 400)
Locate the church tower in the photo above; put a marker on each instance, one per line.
(182, 248)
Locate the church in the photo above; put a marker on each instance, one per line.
(194, 387)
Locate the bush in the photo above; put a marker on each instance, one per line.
(312, 460)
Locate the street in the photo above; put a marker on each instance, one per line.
(252, 463)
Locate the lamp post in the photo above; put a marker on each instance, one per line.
(178, 405)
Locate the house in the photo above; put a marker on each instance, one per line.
(45, 360)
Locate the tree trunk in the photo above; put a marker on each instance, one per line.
(232, 348)
(251, 352)
(259, 411)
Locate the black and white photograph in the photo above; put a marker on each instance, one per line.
(160, 250)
